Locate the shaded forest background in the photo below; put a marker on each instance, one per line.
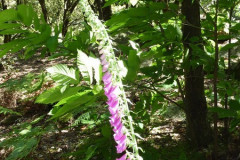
(181, 69)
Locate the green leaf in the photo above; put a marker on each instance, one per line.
(42, 37)
(52, 43)
(106, 131)
(110, 2)
(117, 21)
(25, 13)
(85, 66)
(133, 65)
(6, 111)
(69, 99)
(63, 75)
(20, 45)
(173, 33)
(12, 31)
(14, 45)
(90, 152)
(234, 105)
(54, 94)
(223, 113)
(97, 89)
(229, 46)
(39, 84)
(36, 21)
(8, 15)
(9, 25)
(4, 51)
(235, 27)
(72, 103)
(22, 148)
(29, 52)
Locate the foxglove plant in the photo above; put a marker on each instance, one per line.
(120, 118)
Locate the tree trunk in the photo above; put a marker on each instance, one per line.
(7, 38)
(68, 10)
(44, 10)
(198, 128)
(104, 13)
(21, 2)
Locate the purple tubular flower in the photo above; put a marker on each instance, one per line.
(116, 122)
(113, 103)
(122, 139)
(107, 87)
(114, 116)
(118, 128)
(104, 61)
(118, 136)
(106, 75)
(107, 78)
(112, 96)
(121, 147)
(112, 111)
(103, 57)
(111, 92)
(105, 67)
(123, 157)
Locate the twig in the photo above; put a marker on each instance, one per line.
(206, 13)
(162, 95)
(180, 90)
(226, 120)
(215, 78)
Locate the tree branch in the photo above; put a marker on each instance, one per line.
(161, 94)
(180, 90)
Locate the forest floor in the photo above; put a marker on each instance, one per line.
(164, 140)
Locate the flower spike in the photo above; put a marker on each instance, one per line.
(120, 118)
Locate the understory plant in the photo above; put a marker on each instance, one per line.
(120, 119)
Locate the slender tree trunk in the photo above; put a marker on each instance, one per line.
(7, 38)
(198, 128)
(226, 120)
(21, 2)
(104, 13)
(68, 10)
(215, 79)
(44, 10)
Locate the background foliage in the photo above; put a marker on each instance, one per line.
(149, 45)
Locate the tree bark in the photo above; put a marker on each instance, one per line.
(104, 13)
(44, 10)
(7, 38)
(68, 10)
(21, 2)
(198, 128)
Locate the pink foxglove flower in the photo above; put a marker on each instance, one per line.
(111, 92)
(105, 67)
(109, 62)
